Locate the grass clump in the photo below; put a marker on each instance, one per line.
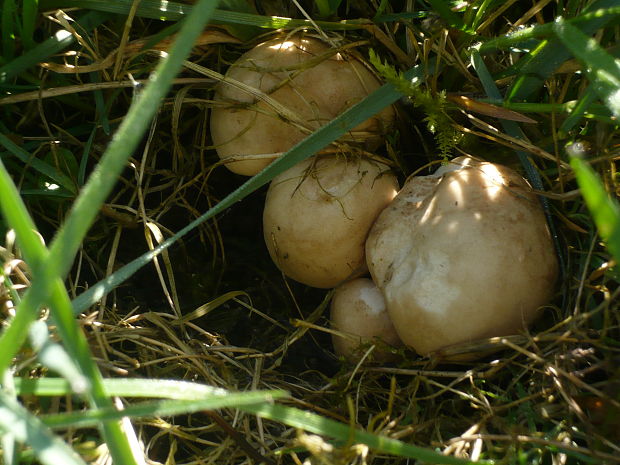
(189, 346)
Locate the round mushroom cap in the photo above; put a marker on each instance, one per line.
(462, 255)
(313, 84)
(358, 310)
(318, 213)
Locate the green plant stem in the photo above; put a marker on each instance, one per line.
(605, 211)
(543, 31)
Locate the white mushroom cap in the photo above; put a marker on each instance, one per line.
(318, 213)
(299, 73)
(358, 310)
(462, 256)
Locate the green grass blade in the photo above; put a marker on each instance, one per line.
(8, 444)
(480, 13)
(375, 102)
(443, 8)
(174, 11)
(84, 159)
(605, 211)
(324, 426)
(544, 31)
(29, 18)
(240, 31)
(51, 46)
(539, 64)
(287, 415)
(510, 127)
(39, 165)
(579, 111)
(602, 68)
(160, 408)
(327, 7)
(513, 129)
(28, 429)
(16, 214)
(125, 387)
(53, 356)
(7, 28)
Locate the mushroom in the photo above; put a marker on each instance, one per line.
(461, 255)
(318, 213)
(308, 84)
(358, 310)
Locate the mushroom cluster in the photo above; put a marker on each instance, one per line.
(459, 255)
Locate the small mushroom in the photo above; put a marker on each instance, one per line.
(358, 310)
(461, 255)
(318, 213)
(311, 83)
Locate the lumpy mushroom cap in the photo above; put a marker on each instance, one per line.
(462, 255)
(302, 74)
(318, 213)
(358, 309)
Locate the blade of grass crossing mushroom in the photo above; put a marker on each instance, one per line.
(605, 211)
(602, 68)
(514, 130)
(375, 102)
(542, 61)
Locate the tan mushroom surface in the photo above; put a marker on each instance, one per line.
(310, 83)
(358, 310)
(462, 255)
(318, 213)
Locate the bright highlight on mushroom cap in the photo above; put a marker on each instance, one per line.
(311, 84)
(318, 213)
(462, 256)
